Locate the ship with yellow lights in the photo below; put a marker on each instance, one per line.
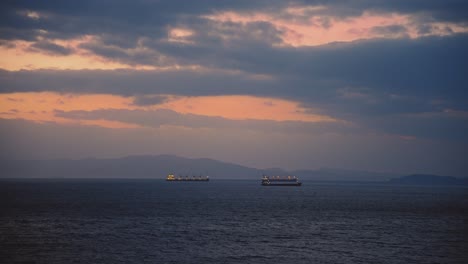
(172, 177)
(280, 181)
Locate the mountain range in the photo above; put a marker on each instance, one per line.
(157, 167)
(428, 179)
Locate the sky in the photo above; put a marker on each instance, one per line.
(361, 84)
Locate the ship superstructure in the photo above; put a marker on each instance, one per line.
(172, 177)
(280, 181)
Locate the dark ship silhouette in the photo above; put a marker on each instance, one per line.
(280, 181)
(172, 177)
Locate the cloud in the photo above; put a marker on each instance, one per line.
(143, 100)
(28, 140)
(451, 10)
(7, 44)
(359, 82)
(133, 82)
(427, 69)
(50, 48)
(443, 125)
(446, 125)
(392, 30)
(140, 34)
(130, 56)
(165, 117)
(69, 20)
(125, 23)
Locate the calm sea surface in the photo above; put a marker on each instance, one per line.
(223, 221)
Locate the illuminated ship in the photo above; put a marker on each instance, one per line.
(172, 177)
(280, 181)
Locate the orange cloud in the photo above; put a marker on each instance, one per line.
(305, 26)
(244, 107)
(41, 107)
(17, 56)
(180, 35)
(300, 26)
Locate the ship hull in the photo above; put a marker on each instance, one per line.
(280, 181)
(190, 180)
(283, 184)
(173, 178)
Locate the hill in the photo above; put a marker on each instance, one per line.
(127, 167)
(428, 179)
(159, 166)
(330, 174)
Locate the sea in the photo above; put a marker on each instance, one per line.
(230, 221)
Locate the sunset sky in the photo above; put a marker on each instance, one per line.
(367, 85)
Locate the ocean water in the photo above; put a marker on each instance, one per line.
(230, 221)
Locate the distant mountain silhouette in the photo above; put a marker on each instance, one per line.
(329, 174)
(428, 179)
(127, 167)
(157, 167)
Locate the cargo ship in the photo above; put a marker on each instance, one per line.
(280, 181)
(172, 177)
